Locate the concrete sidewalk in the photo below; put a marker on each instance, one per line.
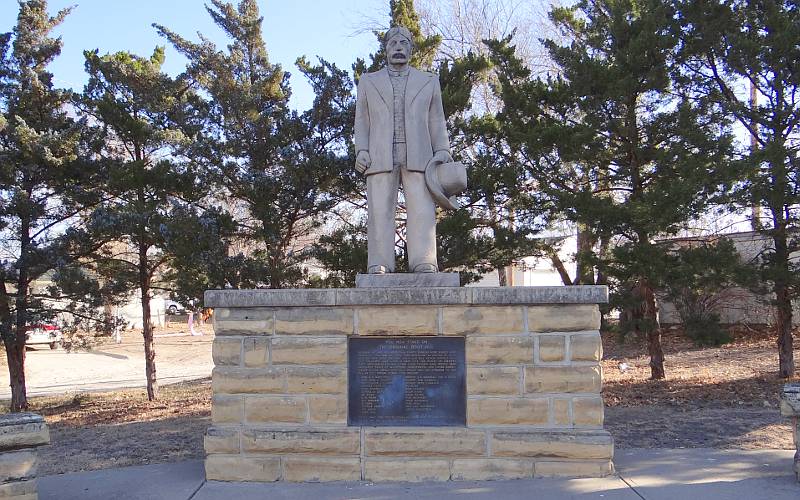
(641, 474)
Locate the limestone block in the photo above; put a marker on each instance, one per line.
(552, 348)
(563, 318)
(275, 409)
(595, 445)
(586, 347)
(316, 380)
(244, 313)
(401, 469)
(16, 465)
(256, 352)
(562, 379)
(424, 442)
(415, 296)
(309, 351)
(582, 294)
(599, 468)
(327, 409)
(22, 430)
(333, 442)
(224, 327)
(460, 320)
(493, 380)
(226, 409)
(499, 350)
(508, 411)
(397, 320)
(221, 312)
(561, 412)
(221, 440)
(226, 351)
(266, 298)
(19, 490)
(321, 469)
(587, 411)
(242, 468)
(483, 469)
(314, 321)
(247, 380)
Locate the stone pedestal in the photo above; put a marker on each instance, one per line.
(20, 435)
(533, 379)
(790, 408)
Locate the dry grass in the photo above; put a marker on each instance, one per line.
(113, 429)
(721, 397)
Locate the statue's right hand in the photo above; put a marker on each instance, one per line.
(363, 161)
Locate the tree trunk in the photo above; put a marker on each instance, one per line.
(645, 317)
(15, 339)
(656, 354)
(15, 354)
(584, 271)
(147, 327)
(783, 294)
(784, 327)
(502, 276)
(555, 260)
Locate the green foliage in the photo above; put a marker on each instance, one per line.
(135, 108)
(278, 168)
(605, 140)
(45, 183)
(700, 280)
(726, 43)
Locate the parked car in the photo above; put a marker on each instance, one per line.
(173, 307)
(44, 334)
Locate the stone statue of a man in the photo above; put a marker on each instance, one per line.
(400, 130)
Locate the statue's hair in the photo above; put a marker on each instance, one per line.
(398, 30)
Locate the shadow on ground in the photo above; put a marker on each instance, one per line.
(92, 447)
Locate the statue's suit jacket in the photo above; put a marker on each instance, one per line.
(426, 131)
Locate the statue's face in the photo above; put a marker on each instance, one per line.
(398, 50)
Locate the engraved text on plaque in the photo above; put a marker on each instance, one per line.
(406, 381)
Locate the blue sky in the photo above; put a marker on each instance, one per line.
(292, 28)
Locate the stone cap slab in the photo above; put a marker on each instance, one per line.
(407, 280)
(22, 430)
(790, 400)
(310, 297)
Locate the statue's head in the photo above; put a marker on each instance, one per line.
(398, 43)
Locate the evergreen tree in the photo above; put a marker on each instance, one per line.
(44, 187)
(134, 108)
(726, 44)
(279, 165)
(610, 145)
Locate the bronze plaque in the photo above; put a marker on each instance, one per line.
(406, 381)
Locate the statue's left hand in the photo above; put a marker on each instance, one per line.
(442, 157)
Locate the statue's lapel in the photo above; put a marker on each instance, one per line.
(417, 80)
(384, 87)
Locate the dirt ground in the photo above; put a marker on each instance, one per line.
(720, 397)
(724, 397)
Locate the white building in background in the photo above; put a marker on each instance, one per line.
(537, 271)
(131, 311)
